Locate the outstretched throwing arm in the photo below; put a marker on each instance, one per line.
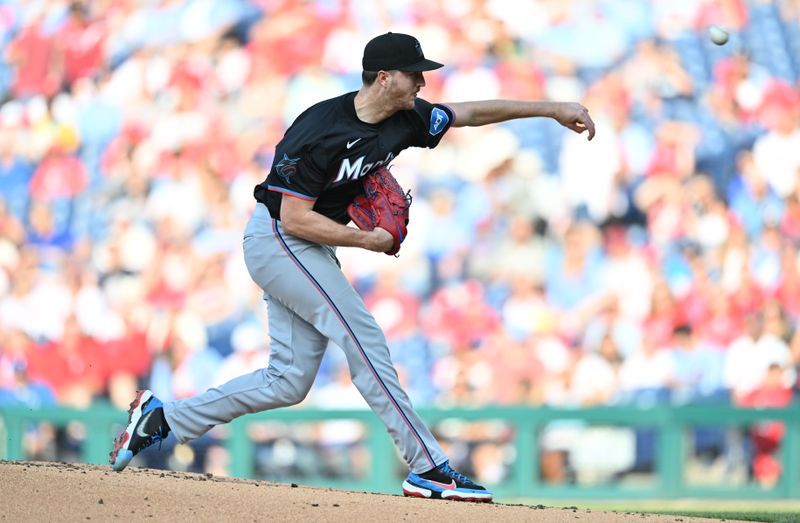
(571, 115)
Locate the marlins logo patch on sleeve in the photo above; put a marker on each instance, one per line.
(286, 168)
(439, 121)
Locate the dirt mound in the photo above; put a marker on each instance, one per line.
(42, 491)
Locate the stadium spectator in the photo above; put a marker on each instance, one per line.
(625, 332)
(752, 199)
(74, 366)
(627, 275)
(81, 43)
(595, 377)
(750, 356)
(698, 368)
(648, 375)
(15, 168)
(767, 436)
(12, 228)
(15, 346)
(250, 351)
(340, 440)
(45, 234)
(573, 284)
(188, 365)
(777, 153)
(33, 54)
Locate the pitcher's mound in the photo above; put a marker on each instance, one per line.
(43, 491)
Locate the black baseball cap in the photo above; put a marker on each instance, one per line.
(396, 52)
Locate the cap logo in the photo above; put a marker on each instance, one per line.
(418, 49)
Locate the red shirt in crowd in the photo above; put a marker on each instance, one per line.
(82, 44)
(72, 362)
(34, 54)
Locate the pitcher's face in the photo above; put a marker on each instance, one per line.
(403, 88)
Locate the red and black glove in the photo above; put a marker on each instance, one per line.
(383, 204)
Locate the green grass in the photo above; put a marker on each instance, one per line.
(769, 517)
(769, 511)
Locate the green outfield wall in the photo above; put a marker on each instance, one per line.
(668, 478)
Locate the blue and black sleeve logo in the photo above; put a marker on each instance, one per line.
(286, 168)
(439, 120)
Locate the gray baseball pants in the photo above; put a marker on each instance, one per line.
(309, 302)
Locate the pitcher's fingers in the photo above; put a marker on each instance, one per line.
(576, 126)
(588, 123)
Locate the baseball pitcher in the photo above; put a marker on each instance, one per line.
(330, 168)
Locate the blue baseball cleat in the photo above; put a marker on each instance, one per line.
(146, 425)
(443, 482)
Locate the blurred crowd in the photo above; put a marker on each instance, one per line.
(657, 263)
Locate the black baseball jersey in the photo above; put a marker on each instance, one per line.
(327, 150)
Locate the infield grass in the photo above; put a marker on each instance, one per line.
(771, 511)
(768, 517)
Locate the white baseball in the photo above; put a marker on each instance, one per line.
(717, 34)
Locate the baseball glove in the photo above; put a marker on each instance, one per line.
(383, 204)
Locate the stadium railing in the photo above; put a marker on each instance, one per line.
(671, 425)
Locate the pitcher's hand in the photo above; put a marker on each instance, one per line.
(380, 240)
(574, 116)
